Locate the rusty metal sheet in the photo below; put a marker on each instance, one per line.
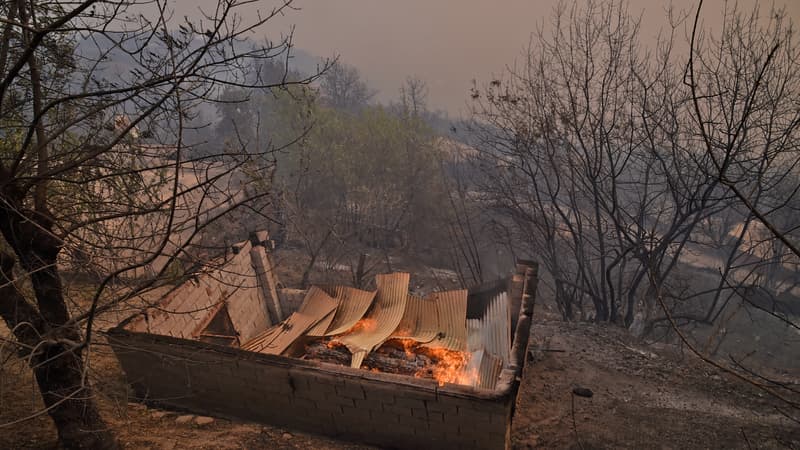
(278, 339)
(262, 340)
(353, 304)
(358, 358)
(420, 321)
(452, 312)
(492, 332)
(382, 318)
(318, 304)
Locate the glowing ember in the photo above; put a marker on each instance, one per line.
(407, 357)
(333, 344)
(409, 346)
(449, 366)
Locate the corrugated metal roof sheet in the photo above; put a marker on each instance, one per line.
(487, 367)
(353, 304)
(492, 332)
(279, 338)
(315, 304)
(358, 358)
(452, 308)
(189, 306)
(262, 340)
(383, 317)
(420, 321)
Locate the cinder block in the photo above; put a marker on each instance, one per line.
(322, 378)
(380, 393)
(421, 413)
(471, 415)
(303, 403)
(406, 402)
(396, 409)
(368, 403)
(434, 416)
(392, 435)
(326, 389)
(382, 418)
(356, 414)
(414, 394)
(307, 394)
(419, 424)
(443, 429)
(338, 400)
(351, 390)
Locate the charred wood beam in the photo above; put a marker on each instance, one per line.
(388, 358)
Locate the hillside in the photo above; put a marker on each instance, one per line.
(643, 397)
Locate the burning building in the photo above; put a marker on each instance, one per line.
(386, 367)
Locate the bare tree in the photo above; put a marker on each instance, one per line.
(584, 159)
(343, 88)
(462, 214)
(591, 154)
(96, 174)
(743, 85)
(658, 194)
(414, 96)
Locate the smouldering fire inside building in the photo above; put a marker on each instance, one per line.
(232, 342)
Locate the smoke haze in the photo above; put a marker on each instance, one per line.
(447, 43)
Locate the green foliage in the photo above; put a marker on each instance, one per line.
(351, 170)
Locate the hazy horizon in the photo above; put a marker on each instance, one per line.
(446, 43)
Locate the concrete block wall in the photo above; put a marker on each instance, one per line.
(388, 410)
(384, 409)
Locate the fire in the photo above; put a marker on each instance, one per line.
(440, 364)
(448, 366)
(451, 367)
(366, 324)
(332, 343)
(409, 346)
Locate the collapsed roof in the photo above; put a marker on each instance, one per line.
(239, 304)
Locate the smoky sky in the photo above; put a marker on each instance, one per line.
(447, 43)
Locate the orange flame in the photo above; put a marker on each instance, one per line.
(333, 344)
(366, 324)
(409, 346)
(450, 368)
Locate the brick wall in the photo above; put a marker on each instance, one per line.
(383, 409)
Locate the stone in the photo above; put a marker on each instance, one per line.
(181, 420)
(286, 436)
(203, 420)
(158, 414)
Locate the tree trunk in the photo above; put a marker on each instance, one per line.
(59, 374)
(358, 279)
(57, 360)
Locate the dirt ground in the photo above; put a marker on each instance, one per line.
(643, 397)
